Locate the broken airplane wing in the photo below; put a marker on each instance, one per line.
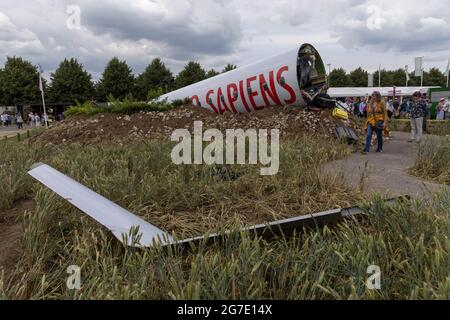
(118, 220)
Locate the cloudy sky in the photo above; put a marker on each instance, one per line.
(347, 33)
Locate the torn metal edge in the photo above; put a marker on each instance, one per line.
(287, 227)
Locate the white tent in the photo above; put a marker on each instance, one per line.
(385, 91)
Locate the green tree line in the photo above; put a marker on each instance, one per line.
(359, 78)
(71, 82)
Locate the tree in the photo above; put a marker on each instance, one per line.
(339, 78)
(155, 76)
(19, 82)
(358, 78)
(434, 77)
(386, 78)
(70, 82)
(413, 80)
(229, 67)
(211, 73)
(192, 73)
(399, 78)
(117, 80)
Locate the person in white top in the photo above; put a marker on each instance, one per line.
(37, 120)
(440, 110)
(31, 119)
(7, 119)
(46, 120)
(390, 108)
(447, 109)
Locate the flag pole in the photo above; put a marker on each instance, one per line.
(407, 75)
(421, 76)
(41, 87)
(448, 71)
(421, 80)
(379, 76)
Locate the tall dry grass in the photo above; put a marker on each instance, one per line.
(409, 241)
(433, 160)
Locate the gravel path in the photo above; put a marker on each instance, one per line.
(386, 173)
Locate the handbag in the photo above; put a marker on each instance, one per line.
(379, 125)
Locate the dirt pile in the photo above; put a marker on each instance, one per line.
(291, 121)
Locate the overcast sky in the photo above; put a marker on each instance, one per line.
(347, 33)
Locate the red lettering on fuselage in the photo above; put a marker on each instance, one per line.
(220, 96)
(195, 100)
(253, 94)
(232, 91)
(287, 87)
(241, 89)
(209, 100)
(270, 91)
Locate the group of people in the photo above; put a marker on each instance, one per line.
(377, 113)
(6, 120)
(34, 120)
(395, 108)
(443, 109)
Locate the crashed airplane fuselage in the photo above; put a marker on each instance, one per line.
(291, 78)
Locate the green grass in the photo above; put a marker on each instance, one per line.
(433, 160)
(409, 241)
(127, 106)
(440, 128)
(15, 159)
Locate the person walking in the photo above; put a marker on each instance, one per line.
(390, 108)
(31, 119)
(418, 113)
(37, 120)
(376, 121)
(46, 120)
(396, 105)
(19, 121)
(6, 119)
(426, 117)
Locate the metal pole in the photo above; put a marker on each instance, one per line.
(448, 70)
(407, 75)
(329, 73)
(448, 74)
(45, 111)
(379, 76)
(42, 94)
(421, 77)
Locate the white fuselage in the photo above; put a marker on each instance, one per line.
(270, 82)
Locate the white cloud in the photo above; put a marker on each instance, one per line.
(216, 32)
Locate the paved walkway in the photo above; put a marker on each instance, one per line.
(12, 131)
(386, 173)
